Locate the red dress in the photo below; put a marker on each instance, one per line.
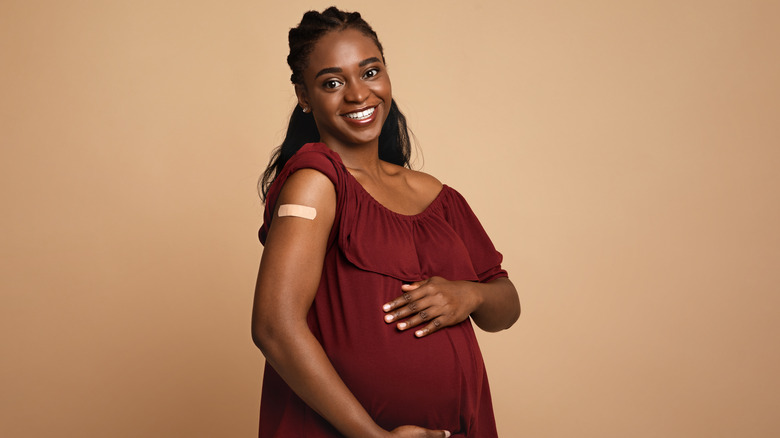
(438, 381)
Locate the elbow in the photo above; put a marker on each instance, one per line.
(514, 312)
(272, 335)
(506, 320)
(515, 315)
(266, 330)
(514, 309)
(265, 334)
(500, 327)
(260, 335)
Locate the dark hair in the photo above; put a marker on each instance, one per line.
(394, 144)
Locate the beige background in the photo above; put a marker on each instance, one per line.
(623, 155)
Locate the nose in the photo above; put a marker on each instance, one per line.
(357, 92)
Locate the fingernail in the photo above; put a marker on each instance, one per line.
(402, 325)
(447, 434)
(419, 333)
(386, 307)
(388, 318)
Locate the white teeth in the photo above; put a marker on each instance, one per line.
(361, 114)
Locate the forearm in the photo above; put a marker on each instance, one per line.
(299, 359)
(499, 305)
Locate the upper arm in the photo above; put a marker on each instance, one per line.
(294, 252)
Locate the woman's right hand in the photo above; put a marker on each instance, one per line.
(418, 432)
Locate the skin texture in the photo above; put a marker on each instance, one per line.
(291, 267)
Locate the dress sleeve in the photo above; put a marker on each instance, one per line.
(484, 256)
(315, 156)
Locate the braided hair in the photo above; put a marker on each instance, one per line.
(394, 143)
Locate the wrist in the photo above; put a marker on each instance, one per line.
(378, 432)
(368, 429)
(477, 295)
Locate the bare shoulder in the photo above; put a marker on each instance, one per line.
(425, 185)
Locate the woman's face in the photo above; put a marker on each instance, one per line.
(347, 88)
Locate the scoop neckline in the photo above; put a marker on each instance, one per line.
(421, 214)
(365, 192)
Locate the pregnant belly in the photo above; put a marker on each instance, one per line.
(401, 379)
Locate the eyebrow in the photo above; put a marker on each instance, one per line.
(362, 63)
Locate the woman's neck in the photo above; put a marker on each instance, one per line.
(362, 158)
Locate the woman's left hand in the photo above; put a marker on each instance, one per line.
(435, 302)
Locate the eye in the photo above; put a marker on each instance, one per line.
(331, 84)
(370, 73)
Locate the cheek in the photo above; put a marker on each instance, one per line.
(382, 88)
(324, 102)
(385, 92)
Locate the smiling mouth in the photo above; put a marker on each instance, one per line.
(361, 115)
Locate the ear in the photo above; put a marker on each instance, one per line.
(303, 99)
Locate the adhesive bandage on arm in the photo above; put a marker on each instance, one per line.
(298, 211)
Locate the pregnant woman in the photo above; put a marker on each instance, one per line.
(372, 273)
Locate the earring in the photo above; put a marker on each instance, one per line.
(306, 109)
